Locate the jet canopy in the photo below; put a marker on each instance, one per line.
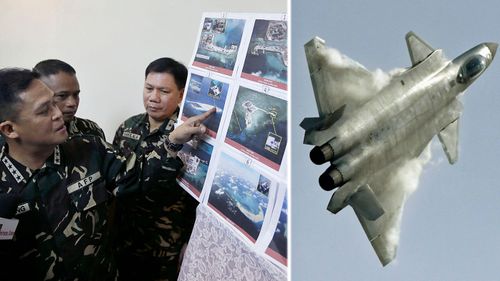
(471, 68)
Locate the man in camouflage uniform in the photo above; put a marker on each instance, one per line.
(153, 231)
(60, 77)
(59, 190)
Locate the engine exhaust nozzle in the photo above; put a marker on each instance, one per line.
(321, 154)
(331, 179)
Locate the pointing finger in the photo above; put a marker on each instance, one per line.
(202, 117)
(196, 130)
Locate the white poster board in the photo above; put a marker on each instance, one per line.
(239, 168)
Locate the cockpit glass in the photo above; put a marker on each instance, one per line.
(471, 68)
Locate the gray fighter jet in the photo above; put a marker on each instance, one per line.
(366, 137)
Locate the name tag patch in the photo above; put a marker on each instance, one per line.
(23, 208)
(131, 135)
(7, 228)
(84, 182)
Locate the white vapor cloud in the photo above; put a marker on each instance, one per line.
(353, 84)
(397, 182)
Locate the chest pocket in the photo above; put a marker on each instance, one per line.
(88, 192)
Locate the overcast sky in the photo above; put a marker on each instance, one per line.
(451, 224)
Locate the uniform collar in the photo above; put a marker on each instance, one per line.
(20, 172)
(13, 166)
(71, 125)
(55, 158)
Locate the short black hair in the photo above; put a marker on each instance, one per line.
(13, 81)
(53, 66)
(169, 65)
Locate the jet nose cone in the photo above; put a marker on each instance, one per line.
(493, 48)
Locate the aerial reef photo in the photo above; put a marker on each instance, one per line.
(258, 126)
(267, 56)
(241, 195)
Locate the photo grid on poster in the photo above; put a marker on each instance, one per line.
(219, 44)
(277, 248)
(238, 168)
(266, 59)
(202, 94)
(196, 156)
(240, 194)
(258, 126)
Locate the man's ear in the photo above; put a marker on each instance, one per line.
(181, 95)
(7, 129)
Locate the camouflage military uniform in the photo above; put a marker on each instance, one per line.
(80, 126)
(63, 231)
(153, 228)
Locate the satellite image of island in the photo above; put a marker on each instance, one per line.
(219, 44)
(267, 56)
(278, 246)
(196, 158)
(235, 195)
(258, 127)
(202, 94)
